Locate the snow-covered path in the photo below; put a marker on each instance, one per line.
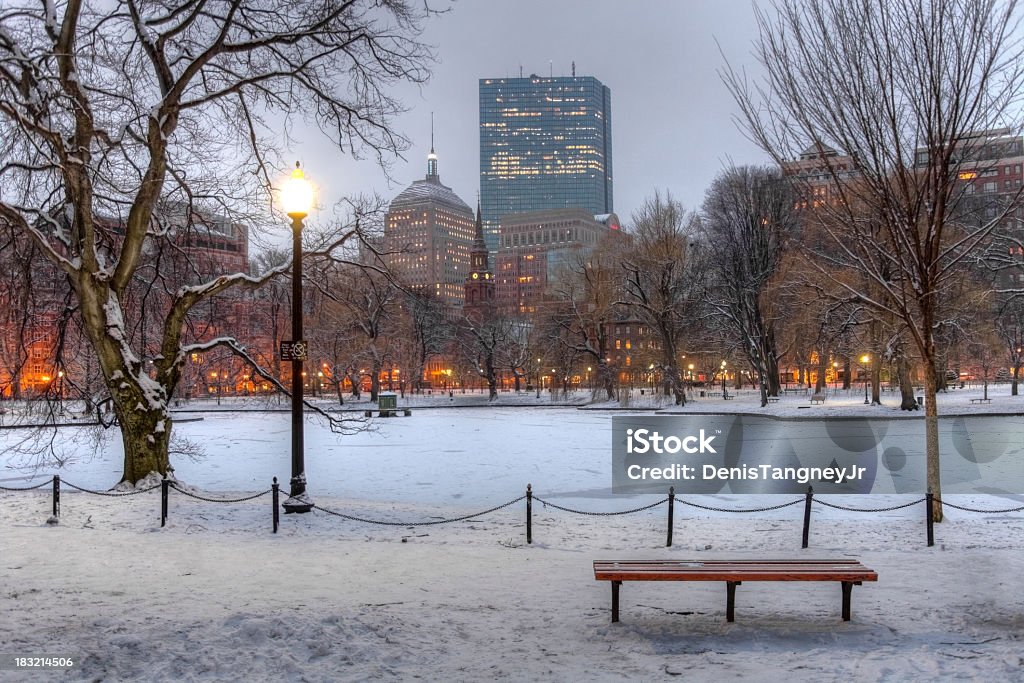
(215, 596)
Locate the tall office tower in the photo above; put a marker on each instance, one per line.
(545, 143)
(428, 233)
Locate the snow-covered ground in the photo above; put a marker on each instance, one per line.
(216, 596)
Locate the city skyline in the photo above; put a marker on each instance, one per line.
(672, 126)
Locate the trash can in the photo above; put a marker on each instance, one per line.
(920, 401)
(387, 400)
(702, 393)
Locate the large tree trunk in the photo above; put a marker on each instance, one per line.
(931, 422)
(674, 382)
(375, 369)
(820, 385)
(876, 382)
(607, 380)
(772, 380)
(907, 399)
(146, 435)
(492, 378)
(140, 404)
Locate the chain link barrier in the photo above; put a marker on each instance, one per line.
(599, 514)
(850, 509)
(764, 509)
(177, 488)
(414, 524)
(28, 488)
(110, 494)
(967, 509)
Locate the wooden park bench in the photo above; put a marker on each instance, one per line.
(849, 572)
(981, 400)
(773, 399)
(817, 398)
(727, 396)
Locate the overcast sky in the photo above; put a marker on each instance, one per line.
(672, 124)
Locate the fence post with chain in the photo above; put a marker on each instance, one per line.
(165, 487)
(929, 516)
(671, 515)
(274, 487)
(56, 495)
(807, 515)
(529, 513)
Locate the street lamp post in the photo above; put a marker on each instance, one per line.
(835, 377)
(724, 393)
(865, 359)
(538, 378)
(297, 198)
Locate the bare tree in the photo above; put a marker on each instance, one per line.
(590, 292)
(427, 331)
(663, 283)
(114, 109)
(748, 216)
(481, 338)
(1010, 328)
(367, 303)
(514, 355)
(903, 88)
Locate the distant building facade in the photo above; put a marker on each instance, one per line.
(990, 177)
(428, 233)
(545, 143)
(536, 247)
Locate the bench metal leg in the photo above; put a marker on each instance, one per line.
(847, 591)
(730, 600)
(615, 600)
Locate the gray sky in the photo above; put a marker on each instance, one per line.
(672, 122)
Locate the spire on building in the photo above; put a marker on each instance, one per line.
(479, 245)
(432, 175)
(480, 281)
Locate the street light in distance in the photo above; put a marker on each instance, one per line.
(865, 360)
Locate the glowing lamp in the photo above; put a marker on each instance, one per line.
(297, 194)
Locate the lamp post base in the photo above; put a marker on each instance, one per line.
(300, 503)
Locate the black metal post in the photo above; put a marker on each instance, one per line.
(297, 499)
(529, 513)
(807, 515)
(730, 600)
(56, 495)
(165, 487)
(671, 513)
(930, 517)
(276, 493)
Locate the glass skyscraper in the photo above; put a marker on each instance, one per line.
(545, 143)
